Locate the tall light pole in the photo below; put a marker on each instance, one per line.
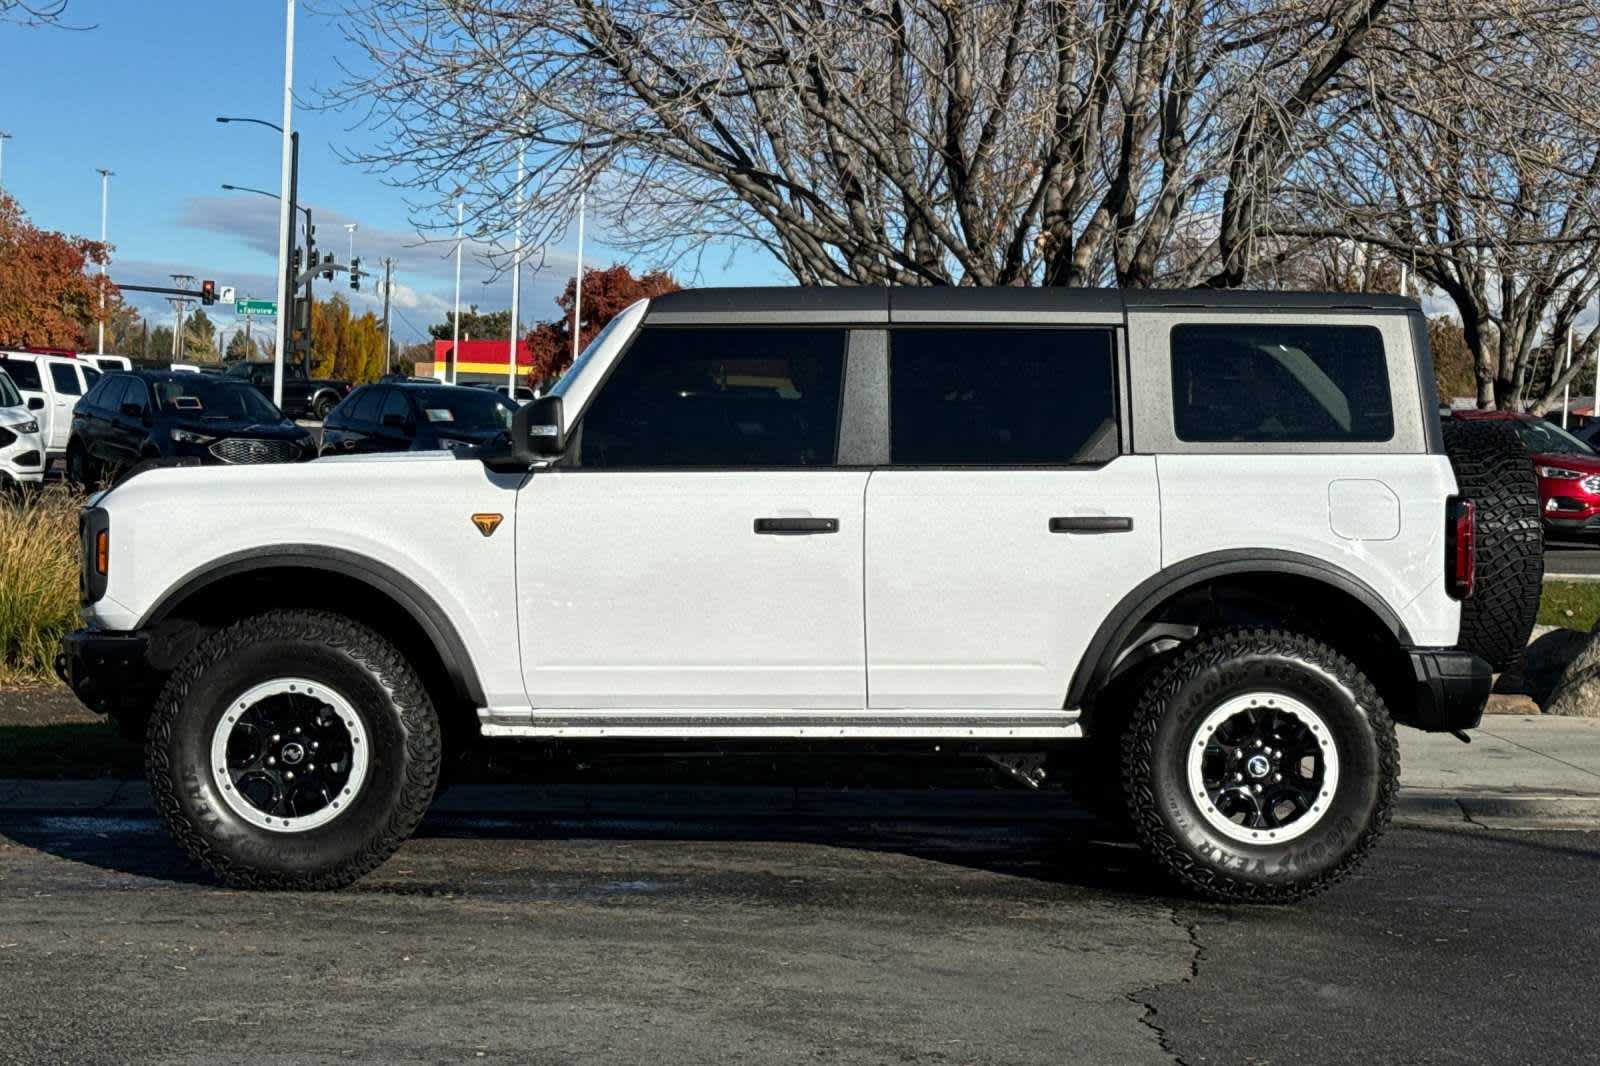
(455, 317)
(285, 205)
(100, 342)
(4, 137)
(577, 289)
(350, 228)
(516, 290)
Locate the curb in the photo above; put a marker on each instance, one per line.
(1485, 808)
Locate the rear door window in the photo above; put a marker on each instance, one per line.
(25, 373)
(364, 406)
(719, 398)
(1002, 397)
(65, 378)
(1280, 384)
(395, 405)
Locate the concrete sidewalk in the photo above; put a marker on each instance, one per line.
(1519, 772)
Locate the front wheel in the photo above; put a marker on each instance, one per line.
(323, 407)
(1259, 766)
(79, 473)
(293, 750)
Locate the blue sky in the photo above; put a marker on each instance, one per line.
(139, 94)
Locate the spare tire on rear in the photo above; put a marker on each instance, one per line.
(1493, 470)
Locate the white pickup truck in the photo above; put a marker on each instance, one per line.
(1201, 549)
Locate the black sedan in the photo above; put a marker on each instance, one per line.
(135, 416)
(411, 417)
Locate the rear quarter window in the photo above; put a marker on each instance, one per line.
(1280, 384)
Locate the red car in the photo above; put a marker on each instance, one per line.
(1568, 470)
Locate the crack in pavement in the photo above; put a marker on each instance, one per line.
(1142, 996)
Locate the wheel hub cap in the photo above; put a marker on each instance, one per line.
(289, 755)
(1263, 768)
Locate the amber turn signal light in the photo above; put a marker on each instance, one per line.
(102, 552)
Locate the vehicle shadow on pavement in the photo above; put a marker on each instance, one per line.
(1071, 853)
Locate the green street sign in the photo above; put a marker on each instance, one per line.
(255, 307)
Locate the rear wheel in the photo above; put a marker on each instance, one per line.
(323, 407)
(295, 749)
(80, 473)
(1259, 766)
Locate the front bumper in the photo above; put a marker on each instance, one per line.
(1451, 688)
(108, 671)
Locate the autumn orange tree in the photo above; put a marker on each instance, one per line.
(606, 293)
(46, 298)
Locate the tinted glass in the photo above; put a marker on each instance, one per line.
(102, 392)
(363, 406)
(964, 397)
(135, 391)
(395, 406)
(209, 398)
(65, 379)
(24, 374)
(719, 398)
(471, 409)
(9, 396)
(1280, 384)
(90, 376)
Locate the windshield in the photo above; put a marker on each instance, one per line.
(213, 399)
(466, 409)
(1542, 436)
(9, 396)
(565, 382)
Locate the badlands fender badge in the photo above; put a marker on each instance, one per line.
(487, 523)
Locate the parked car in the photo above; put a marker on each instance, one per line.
(21, 442)
(130, 417)
(303, 397)
(50, 384)
(412, 417)
(1567, 467)
(107, 363)
(1201, 549)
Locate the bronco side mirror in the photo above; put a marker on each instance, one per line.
(538, 430)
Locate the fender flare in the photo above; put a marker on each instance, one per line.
(1118, 626)
(381, 577)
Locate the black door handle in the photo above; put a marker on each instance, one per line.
(796, 526)
(1092, 524)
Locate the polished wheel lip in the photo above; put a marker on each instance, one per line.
(299, 686)
(1328, 751)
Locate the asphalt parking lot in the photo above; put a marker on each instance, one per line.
(768, 940)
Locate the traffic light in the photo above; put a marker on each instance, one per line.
(355, 274)
(327, 267)
(295, 267)
(208, 292)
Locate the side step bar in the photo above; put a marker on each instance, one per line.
(904, 725)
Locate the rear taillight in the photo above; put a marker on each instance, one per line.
(1460, 547)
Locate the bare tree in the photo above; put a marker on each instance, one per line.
(1474, 157)
(33, 12)
(993, 142)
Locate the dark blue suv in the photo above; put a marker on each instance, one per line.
(415, 417)
(134, 416)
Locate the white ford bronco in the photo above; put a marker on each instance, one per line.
(1199, 550)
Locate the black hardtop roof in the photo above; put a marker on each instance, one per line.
(811, 304)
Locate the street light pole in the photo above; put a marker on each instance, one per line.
(455, 317)
(285, 205)
(516, 291)
(100, 343)
(577, 290)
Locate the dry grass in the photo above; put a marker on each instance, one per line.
(38, 579)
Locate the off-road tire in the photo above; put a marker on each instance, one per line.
(1165, 814)
(399, 719)
(1494, 471)
(322, 407)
